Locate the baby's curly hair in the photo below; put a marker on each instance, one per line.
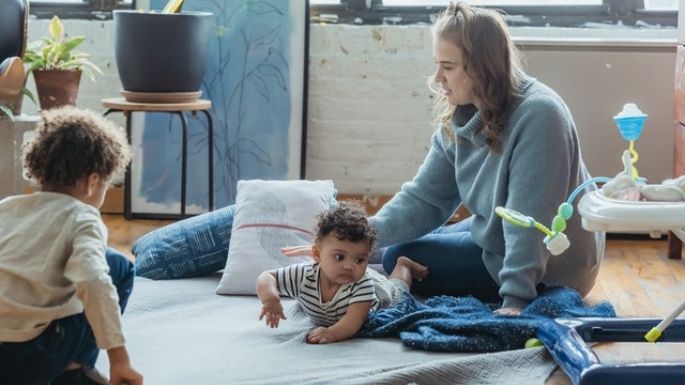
(347, 221)
(71, 144)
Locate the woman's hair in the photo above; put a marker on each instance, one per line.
(347, 221)
(71, 144)
(490, 59)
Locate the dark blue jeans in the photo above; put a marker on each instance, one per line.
(455, 266)
(66, 340)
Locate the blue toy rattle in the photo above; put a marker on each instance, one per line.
(630, 122)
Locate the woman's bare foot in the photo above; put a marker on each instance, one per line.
(417, 270)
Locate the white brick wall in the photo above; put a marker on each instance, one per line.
(100, 45)
(369, 106)
(370, 109)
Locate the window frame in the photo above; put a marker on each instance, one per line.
(88, 9)
(630, 13)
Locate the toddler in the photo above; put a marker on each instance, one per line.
(61, 289)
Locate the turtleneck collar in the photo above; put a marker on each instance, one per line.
(467, 122)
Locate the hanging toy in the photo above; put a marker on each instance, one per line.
(630, 122)
(555, 240)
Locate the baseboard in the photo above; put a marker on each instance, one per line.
(635, 236)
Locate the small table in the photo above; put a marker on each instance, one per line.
(126, 107)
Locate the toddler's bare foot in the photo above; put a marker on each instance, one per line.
(418, 271)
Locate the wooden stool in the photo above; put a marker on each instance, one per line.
(126, 107)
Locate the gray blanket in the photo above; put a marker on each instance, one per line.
(180, 332)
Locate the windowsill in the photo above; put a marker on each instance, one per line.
(592, 37)
(557, 37)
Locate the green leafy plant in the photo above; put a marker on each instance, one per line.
(7, 111)
(8, 108)
(56, 52)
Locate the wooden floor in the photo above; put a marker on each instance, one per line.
(636, 277)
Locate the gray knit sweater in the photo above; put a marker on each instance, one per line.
(537, 168)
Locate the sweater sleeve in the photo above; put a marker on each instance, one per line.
(424, 203)
(539, 177)
(87, 268)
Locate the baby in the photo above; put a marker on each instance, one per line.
(337, 291)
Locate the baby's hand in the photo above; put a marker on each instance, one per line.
(320, 335)
(273, 312)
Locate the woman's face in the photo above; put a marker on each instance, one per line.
(456, 85)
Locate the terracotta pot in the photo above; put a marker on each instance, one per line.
(57, 88)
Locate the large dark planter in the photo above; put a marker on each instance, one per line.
(56, 88)
(161, 52)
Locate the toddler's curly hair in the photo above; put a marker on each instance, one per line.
(71, 144)
(347, 221)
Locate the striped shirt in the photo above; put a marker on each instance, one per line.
(301, 282)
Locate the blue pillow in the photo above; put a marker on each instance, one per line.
(188, 248)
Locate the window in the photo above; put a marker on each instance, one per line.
(661, 5)
(493, 2)
(559, 13)
(88, 9)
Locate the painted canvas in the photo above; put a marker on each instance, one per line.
(255, 78)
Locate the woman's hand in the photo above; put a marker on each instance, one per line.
(508, 311)
(320, 335)
(297, 251)
(273, 310)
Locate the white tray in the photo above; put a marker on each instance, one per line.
(600, 213)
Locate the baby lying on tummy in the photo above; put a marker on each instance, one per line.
(337, 291)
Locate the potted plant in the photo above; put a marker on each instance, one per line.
(56, 67)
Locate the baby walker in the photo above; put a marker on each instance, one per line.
(567, 338)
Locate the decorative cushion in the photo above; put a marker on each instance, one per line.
(188, 248)
(270, 215)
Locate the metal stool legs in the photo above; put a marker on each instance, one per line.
(184, 167)
(210, 153)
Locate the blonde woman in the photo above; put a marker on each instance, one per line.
(504, 139)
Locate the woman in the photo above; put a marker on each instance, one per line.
(504, 139)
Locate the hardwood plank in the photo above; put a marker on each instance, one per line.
(123, 233)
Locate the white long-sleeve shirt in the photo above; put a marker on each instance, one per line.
(53, 265)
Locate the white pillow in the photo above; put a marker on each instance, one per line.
(270, 215)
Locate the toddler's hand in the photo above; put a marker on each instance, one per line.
(273, 310)
(320, 335)
(124, 374)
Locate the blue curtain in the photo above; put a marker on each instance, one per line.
(248, 82)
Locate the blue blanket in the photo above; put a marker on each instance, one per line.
(464, 324)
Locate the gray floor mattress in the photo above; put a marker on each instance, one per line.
(180, 332)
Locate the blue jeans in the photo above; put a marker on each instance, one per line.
(66, 340)
(454, 262)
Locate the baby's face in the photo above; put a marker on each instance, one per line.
(342, 262)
